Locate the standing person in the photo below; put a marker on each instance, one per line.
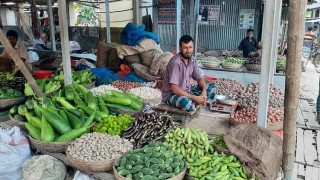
(176, 90)
(249, 45)
(7, 64)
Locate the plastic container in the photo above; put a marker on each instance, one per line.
(43, 74)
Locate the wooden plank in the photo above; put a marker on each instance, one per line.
(164, 107)
(310, 152)
(308, 173)
(305, 106)
(301, 170)
(300, 146)
(315, 173)
(318, 144)
(300, 119)
(295, 172)
(311, 120)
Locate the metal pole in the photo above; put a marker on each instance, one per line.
(137, 14)
(63, 22)
(108, 33)
(267, 51)
(179, 9)
(52, 30)
(276, 30)
(196, 14)
(296, 24)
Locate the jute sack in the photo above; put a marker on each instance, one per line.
(160, 63)
(129, 60)
(259, 149)
(107, 56)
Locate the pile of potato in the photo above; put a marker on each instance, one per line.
(249, 115)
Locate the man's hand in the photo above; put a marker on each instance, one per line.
(199, 99)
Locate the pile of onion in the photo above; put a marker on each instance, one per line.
(249, 115)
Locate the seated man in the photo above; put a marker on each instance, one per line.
(249, 46)
(7, 64)
(176, 90)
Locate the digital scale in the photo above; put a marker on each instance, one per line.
(223, 104)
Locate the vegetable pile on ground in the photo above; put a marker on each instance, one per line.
(148, 128)
(146, 93)
(125, 101)
(189, 142)
(46, 85)
(64, 117)
(155, 161)
(103, 90)
(218, 141)
(216, 166)
(230, 87)
(8, 80)
(10, 94)
(249, 115)
(80, 77)
(97, 147)
(125, 85)
(234, 60)
(114, 125)
(250, 96)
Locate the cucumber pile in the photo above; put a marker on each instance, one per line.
(118, 100)
(153, 162)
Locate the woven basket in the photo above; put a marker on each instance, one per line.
(144, 72)
(231, 66)
(211, 64)
(271, 126)
(49, 147)
(119, 177)
(125, 111)
(221, 150)
(6, 103)
(90, 85)
(15, 122)
(281, 68)
(91, 166)
(253, 67)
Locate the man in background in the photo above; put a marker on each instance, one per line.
(7, 64)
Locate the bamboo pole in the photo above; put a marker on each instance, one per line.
(20, 64)
(296, 23)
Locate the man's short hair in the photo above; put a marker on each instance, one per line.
(12, 33)
(185, 39)
(250, 30)
(310, 28)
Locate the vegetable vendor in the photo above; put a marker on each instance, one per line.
(176, 90)
(7, 64)
(249, 45)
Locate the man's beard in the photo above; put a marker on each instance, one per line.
(185, 57)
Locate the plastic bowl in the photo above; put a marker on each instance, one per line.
(42, 74)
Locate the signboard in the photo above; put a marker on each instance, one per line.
(246, 18)
(214, 13)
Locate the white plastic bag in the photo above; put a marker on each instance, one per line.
(14, 150)
(33, 56)
(43, 167)
(82, 176)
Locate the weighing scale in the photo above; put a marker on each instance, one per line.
(224, 104)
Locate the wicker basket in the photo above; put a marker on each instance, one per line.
(231, 66)
(6, 103)
(91, 166)
(221, 150)
(280, 68)
(271, 126)
(178, 177)
(253, 67)
(15, 122)
(144, 72)
(211, 64)
(90, 85)
(49, 147)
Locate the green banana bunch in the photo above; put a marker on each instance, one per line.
(189, 142)
(216, 166)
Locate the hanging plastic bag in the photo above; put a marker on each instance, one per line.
(14, 150)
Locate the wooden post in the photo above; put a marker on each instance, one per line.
(296, 23)
(18, 61)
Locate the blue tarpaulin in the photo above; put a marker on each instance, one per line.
(133, 35)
